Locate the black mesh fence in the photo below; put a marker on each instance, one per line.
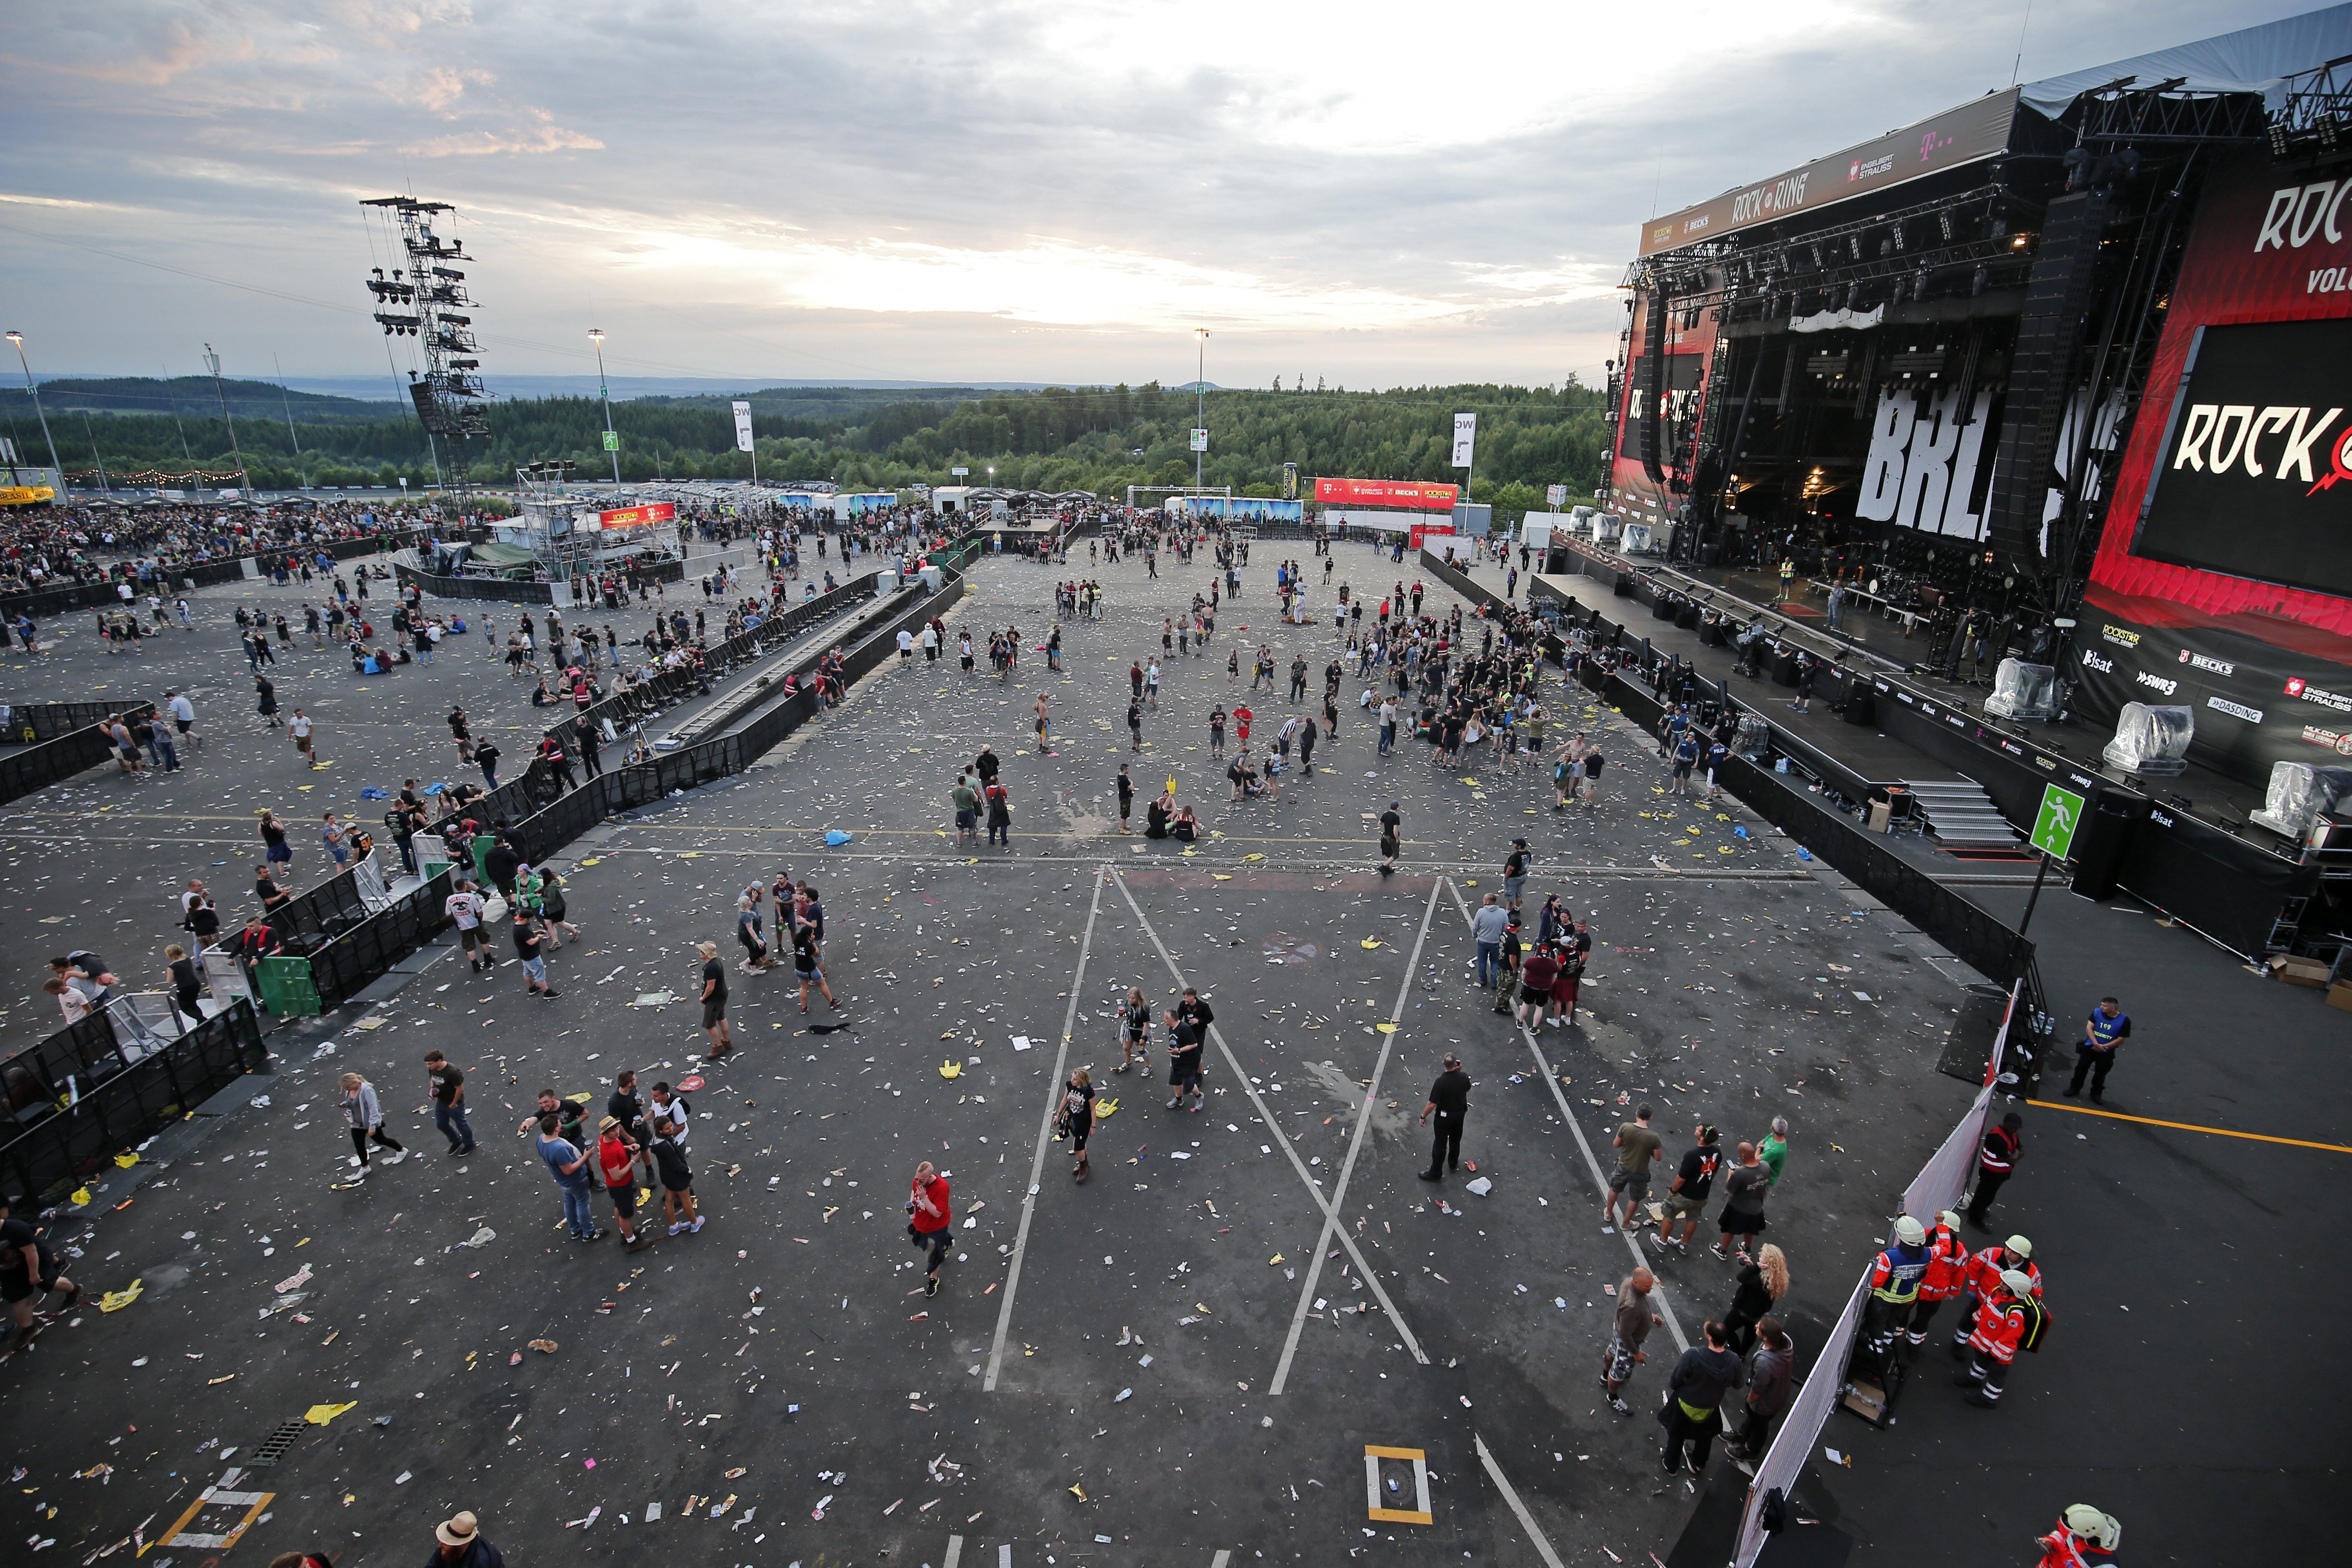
(25, 723)
(53, 761)
(80, 1097)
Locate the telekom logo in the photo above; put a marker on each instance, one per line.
(1929, 143)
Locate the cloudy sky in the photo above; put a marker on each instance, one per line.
(1378, 194)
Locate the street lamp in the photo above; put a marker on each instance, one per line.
(612, 443)
(34, 387)
(1200, 401)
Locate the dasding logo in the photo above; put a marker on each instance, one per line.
(2120, 637)
(2159, 683)
(2214, 665)
(2234, 709)
(2091, 660)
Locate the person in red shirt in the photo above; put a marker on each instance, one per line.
(617, 1161)
(930, 1224)
(2006, 1318)
(1948, 1267)
(1242, 718)
(2085, 1538)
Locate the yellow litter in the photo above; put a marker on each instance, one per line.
(319, 1415)
(951, 1069)
(115, 1301)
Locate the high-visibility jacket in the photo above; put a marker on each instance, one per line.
(1947, 1264)
(2062, 1547)
(1896, 1273)
(1983, 1273)
(2000, 1323)
(1997, 1155)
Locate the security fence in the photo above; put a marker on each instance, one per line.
(76, 1100)
(53, 761)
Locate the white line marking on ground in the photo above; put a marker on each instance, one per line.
(1045, 1137)
(1510, 1496)
(1658, 1293)
(1355, 1147)
(1282, 1139)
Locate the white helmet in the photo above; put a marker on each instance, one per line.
(2019, 1283)
(1909, 1231)
(2101, 1529)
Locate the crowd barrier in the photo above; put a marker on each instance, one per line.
(107, 593)
(53, 761)
(1937, 1187)
(542, 818)
(79, 1097)
(27, 723)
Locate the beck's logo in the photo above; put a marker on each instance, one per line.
(2211, 666)
(2159, 683)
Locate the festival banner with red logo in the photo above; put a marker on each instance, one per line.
(2223, 578)
(638, 516)
(1420, 495)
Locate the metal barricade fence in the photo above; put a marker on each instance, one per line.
(54, 762)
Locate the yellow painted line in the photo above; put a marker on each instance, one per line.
(1370, 1451)
(2188, 1127)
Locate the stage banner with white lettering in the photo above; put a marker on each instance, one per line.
(742, 427)
(2223, 578)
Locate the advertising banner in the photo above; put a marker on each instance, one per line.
(638, 516)
(1422, 532)
(1419, 494)
(1957, 136)
(1465, 439)
(2223, 578)
(1689, 344)
(742, 427)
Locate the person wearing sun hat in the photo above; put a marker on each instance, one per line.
(462, 1546)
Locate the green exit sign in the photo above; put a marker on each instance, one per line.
(612, 440)
(2055, 823)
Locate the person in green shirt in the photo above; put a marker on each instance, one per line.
(1774, 1150)
(967, 810)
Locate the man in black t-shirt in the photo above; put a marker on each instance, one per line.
(714, 1000)
(1183, 1062)
(1197, 1013)
(28, 1270)
(1449, 1101)
(447, 1083)
(1692, 1182)
(1125, 795)
(1391, 838)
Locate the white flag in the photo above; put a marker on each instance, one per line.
(742, 427)
(1465, 439)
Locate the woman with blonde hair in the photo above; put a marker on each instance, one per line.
(1763, 1280)
(366, 1116)
(1135, 1030)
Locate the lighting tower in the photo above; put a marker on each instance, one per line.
(427, 301)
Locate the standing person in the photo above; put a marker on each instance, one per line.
(265, 694)
(486, 757)
(276, 853)
(187, 981)
(460, 731)
(1743, 1209)
(1895, 1276)
(1000, 814)
(1217, 731)
(1774, 1149)
(1449, 1101)
(1636, 1146)
(1704, 1375)
(569, 1166)
(2107, 1027)
(2009, 1318)
(1044, 725)
(748, 933)
(1997, 1156)
(1391, 843)
(530, 943)
(462, 1546)
(1686, 1197)
(1947, 1268)
(1183, 1062)
(1388, 725)
(1808, 671)
(626, 1108)
(447, 1083)
(1135, 1030)
(300, 727)
(1135, 724)
(1769, 1388)
(677, 1178)
(1078, 1118)
(1761, 1282)
(617, 1161)
(966, 801)
(1635, 1321)
(464, 906)
(366, 1114)
(28, 1270)
(1514, 875)
(714, 1000)
(1126, 796)
(805, 962)
(1487, 927)
(930, 1221)
(1539, 973)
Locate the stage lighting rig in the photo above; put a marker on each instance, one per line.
(426, 300)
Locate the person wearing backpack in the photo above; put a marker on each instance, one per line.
(2008, 1320)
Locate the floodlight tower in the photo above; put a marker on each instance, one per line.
(427, 301)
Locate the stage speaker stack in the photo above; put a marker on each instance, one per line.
(1650, 386)
(2057, 302)
(2100, 842)
(1861, 703)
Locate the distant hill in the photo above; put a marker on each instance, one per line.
(189, 396)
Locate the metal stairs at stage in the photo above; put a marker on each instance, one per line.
(1962, 817)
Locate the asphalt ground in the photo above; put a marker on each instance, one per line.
(1286, 1222)
(100, 862)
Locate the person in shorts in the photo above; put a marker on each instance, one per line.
(1633, 1323)
(1636, 1146)
(1135, 1032)
(28, 1270)
(1183, 1062)
(465, 907)
(677, 1178)
(714, 1000)
(1515, 874)
(1685, 754)
(616, 1163)
(1077, 1119)
(1693, 1184)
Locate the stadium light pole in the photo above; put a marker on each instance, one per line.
(596, 336)
(220, 389)
(1201, 397)
(34, 387)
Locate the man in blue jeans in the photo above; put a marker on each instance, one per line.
(449, 1085)
(569, 1166)
(1488, 926)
